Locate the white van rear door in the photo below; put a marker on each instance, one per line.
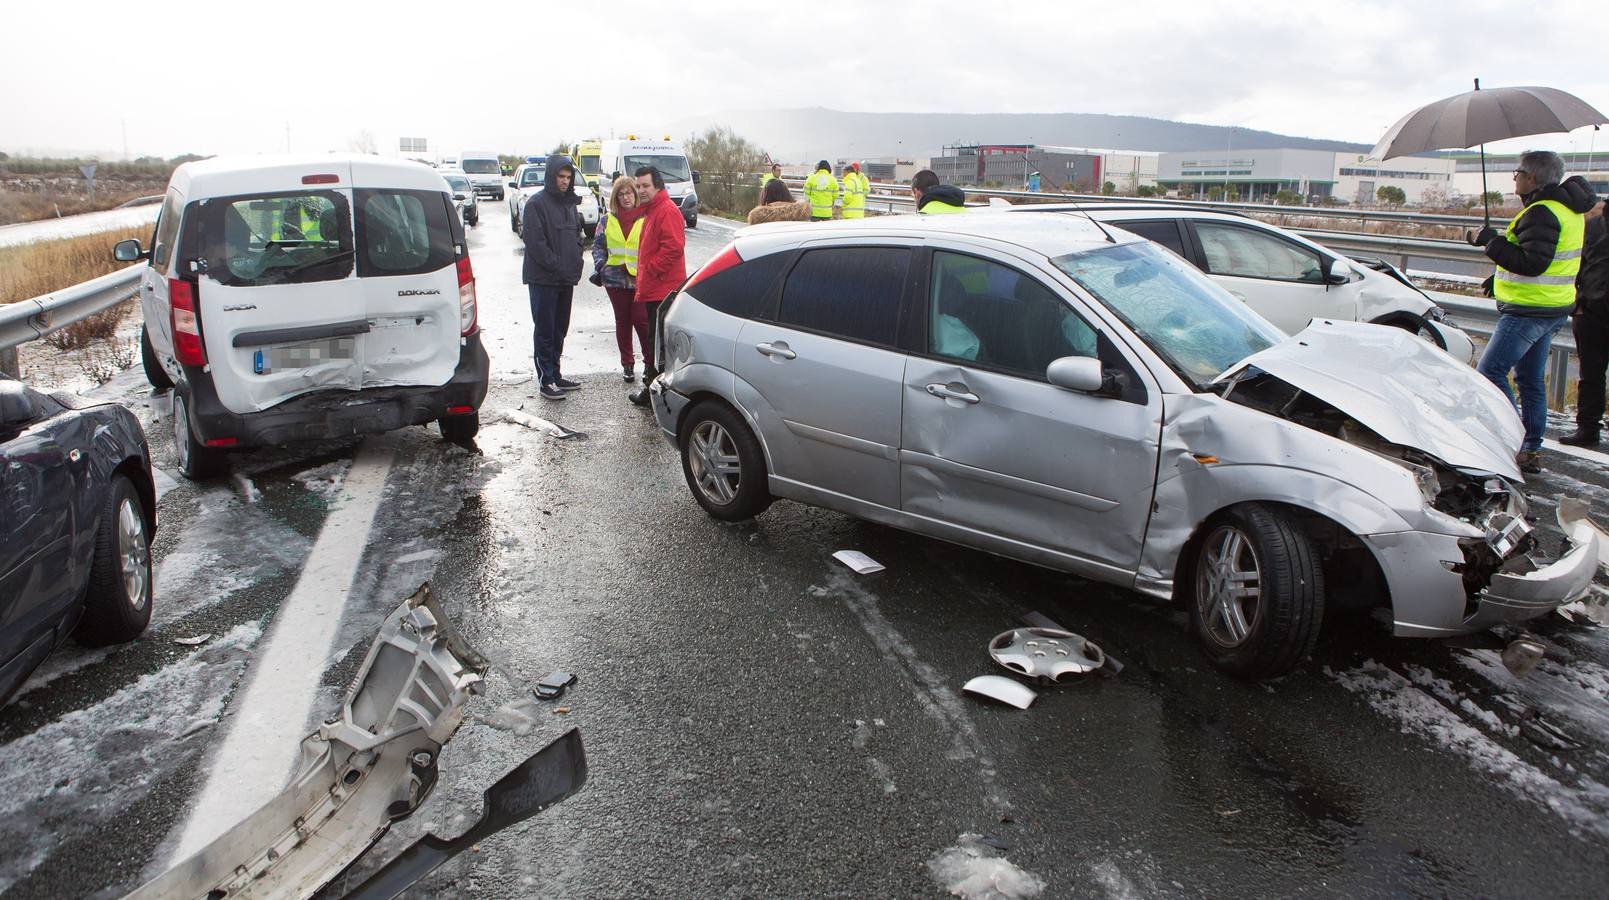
(408, 278)
(281, 312)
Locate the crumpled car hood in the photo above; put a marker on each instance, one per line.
(1400, 387)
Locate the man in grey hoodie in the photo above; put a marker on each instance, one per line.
(552, 232)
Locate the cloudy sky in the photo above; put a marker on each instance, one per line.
(222, 76)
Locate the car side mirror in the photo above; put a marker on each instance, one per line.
(459, 197)
(695, 177)
(1076, 373)
(129, 251)
(512, 185)
(16, 407)
(613, 175)
(1337, 271)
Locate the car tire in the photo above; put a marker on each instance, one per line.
(474, 220)
(713, 429)
(460, 430)
(1416, 326)
(117, 603)
(195, 461)
(499, 196)
(513, 222)
(1256, 543)
(589, 231)
(693, 222)
(154, 373)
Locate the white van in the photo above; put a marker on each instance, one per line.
(301, 298)
(485, 172)
(623, 157)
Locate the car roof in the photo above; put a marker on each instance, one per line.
(1050, 236)
(1108, 210)
(224, 176)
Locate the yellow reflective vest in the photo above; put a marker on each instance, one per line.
(856, 187)
(821, 189)
(1556, 285)
(933, 207)
(622, 247)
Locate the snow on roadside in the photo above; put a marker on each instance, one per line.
(973, 870)
(67, 778)
(1418, 711)
(229, 545)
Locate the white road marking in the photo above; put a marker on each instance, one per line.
(268, 717)
(720, 223)
(1601, 459)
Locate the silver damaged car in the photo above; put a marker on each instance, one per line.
(1050, 390)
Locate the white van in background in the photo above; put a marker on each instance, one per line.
(308, 298)
(624, 157)
(485, 172)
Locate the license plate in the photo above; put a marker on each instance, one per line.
(305, 354)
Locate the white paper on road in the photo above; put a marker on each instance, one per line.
(860, 562)
(269, 716)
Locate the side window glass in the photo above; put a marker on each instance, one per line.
(1165, 233)
(1232, 250)
(850, 292)
(402, 232)
(738, 291)
(167, 231)
(993, 315)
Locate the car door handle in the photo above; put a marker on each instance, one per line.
(945, 392)
(775, 349)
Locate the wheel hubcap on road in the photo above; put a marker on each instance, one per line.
(132, 553)
(1229, 586)
(713, 458)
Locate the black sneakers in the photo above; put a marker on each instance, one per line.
(640, 396)
(552, 392)
(1580, 438)
(629, 373)
(565, 384)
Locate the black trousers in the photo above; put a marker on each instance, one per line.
(650, 369)
(1592, 353)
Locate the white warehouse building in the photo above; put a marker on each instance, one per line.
(1260, 174)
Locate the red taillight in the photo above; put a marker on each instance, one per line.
(724, 260)
(187, 346)
(222, 442)
(460, 410)
(466, 297)
(320, 179)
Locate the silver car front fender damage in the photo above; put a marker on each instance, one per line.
(359, 772)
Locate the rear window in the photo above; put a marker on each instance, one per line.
(849, 292)
(1164, 232)
(457, 182)
(738, 291)
(482, 167)
(531, 176)
(267, 239)
(402, 232)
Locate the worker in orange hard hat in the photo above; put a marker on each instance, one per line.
(855, 188)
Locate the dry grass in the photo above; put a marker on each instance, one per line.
(44, 266)
(17, 206)
(102, 326)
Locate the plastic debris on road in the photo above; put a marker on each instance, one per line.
(193, 641)
(974, 870)
(1045, 654)
(1522, 655)
(997, 687)
(537, 423)
(1572, 510)
(860, 562)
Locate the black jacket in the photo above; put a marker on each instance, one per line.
(1592, 284)
(1538, 234)
(943, 193)
(552, 227)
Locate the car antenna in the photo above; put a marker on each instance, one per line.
(1073, 198)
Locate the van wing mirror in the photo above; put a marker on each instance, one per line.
(695, 176)
(129, 251)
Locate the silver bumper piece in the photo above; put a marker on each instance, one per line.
(370, 766)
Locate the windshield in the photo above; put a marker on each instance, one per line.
(1193, 324)
(590, 165)
(530, 177)
(457, 182)
(481, 166)
(671, 168)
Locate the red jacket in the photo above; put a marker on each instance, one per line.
(661, 258)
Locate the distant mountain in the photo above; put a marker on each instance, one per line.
(805, 135)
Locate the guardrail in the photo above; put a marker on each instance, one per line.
(29, 320)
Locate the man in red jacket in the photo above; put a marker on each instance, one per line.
(661, 261)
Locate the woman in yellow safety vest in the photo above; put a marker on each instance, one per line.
(614, 264)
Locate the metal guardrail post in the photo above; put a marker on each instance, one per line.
(1558, 377)
(8, 362)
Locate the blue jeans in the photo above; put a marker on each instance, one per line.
(1521, 343)
(550, 310)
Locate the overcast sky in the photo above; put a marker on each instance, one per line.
(220, 76)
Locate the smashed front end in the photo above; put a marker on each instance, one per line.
(1471, 559)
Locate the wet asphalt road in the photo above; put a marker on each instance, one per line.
(762, 722)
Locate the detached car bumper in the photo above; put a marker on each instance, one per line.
(1431, 599)
(324, 415)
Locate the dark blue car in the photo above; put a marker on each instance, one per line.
(77, 511)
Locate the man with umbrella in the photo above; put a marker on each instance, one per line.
(1537, 257)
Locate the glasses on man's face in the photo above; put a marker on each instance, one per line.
(1519, 172)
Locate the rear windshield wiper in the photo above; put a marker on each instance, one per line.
(319, 262)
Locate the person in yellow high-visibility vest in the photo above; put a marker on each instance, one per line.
(776, 172)
(935, 198)
(614, 268)
(1537, 257)
(856, 187)
(821, 189)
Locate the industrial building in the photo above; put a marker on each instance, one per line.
(1258, 175)
(1594, 166)
(1072, 169)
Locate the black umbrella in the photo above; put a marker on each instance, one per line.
(1477, 117)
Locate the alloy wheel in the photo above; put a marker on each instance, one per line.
(133, 554)
(1229, 586)
(712, 455)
